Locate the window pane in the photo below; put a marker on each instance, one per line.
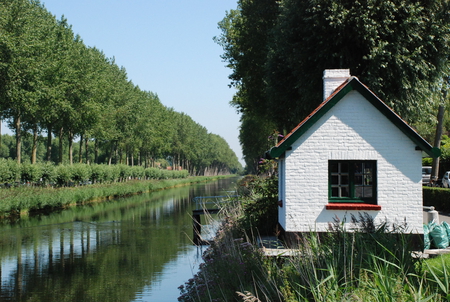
(335, 192)
(344, 192)
(334, 167)
(367, 192)
(357, 168)
(344, 180)
(359, 192)
(334, 179)
(368, 180)
(344, 167)
(358, 180)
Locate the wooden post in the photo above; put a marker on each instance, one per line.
(197, 228)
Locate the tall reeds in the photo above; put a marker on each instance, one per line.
(363, 262)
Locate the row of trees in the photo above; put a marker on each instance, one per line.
(278, 49)
(51, 83)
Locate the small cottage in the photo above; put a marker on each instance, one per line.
(351, 155)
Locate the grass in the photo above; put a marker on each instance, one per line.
(25, 200)
(367, 263)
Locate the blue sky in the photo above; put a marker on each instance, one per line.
(166, 47)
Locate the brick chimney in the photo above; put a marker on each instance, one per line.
(332, 78)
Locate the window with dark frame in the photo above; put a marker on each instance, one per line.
(352, 181)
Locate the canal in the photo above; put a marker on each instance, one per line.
(130, 249)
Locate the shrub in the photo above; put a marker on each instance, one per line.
(48, 173)
(137, 172)
(98, 173)
(63, 175)
(30, 173)
(80, 173)
(124, 172)
(437, 197)
(9, 171)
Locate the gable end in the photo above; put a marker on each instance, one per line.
(352, 84)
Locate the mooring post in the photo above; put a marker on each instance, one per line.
(433, 215)
(197, 228)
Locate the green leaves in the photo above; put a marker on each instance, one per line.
(277, 51)
(51, 81)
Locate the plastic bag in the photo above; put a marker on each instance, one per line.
(426, 237)
(439, 237)
(447, 227)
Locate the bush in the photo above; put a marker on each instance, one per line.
(80, 173)
(98, 173)
(48, 173)
(439, 198)
(124, 172)
(261, 206)
(9, 171)
(63, 175)
(137, 172)
(30, 173)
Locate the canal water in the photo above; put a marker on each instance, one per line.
(130, 249)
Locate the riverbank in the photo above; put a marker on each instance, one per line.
(364, 262)
(29, 200)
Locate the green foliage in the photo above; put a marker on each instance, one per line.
(48, 173)
(9, 171)
(30, 173)
(278, 50)
(356, 260)
(437, 197)
(81, 173)
(260, 206)
(63, 175)
(51, 81)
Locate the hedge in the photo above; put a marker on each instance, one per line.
(439, 198)
(43, 174)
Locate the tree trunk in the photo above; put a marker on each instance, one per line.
(0, 145)
(35, 142)
(61, 133)
(49, 143)
(80, 151)
(96, 151)
(70, 138)
(86, 143)
(437, 142)
(18, 140)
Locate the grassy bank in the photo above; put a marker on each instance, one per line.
(365, 263)
(26, 200)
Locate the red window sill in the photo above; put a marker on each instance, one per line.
(353, 206)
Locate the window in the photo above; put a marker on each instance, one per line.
(352, 181)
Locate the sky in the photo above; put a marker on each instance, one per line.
(167, 48)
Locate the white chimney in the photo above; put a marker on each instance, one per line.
(332, 78)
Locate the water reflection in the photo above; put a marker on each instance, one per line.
(132, 249)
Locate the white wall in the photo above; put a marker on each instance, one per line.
(355, 130)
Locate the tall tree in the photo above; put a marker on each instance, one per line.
(398, 47)
(26, 28)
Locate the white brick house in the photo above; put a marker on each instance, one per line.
(352, 154)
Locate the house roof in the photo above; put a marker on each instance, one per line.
(350, 84)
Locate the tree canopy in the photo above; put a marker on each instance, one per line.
(52, 83)
(278, 50)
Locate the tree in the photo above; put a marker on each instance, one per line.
(277, 56)
(400, 48)
(26, 28)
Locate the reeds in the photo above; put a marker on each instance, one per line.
(367, 262)
(16, 201)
